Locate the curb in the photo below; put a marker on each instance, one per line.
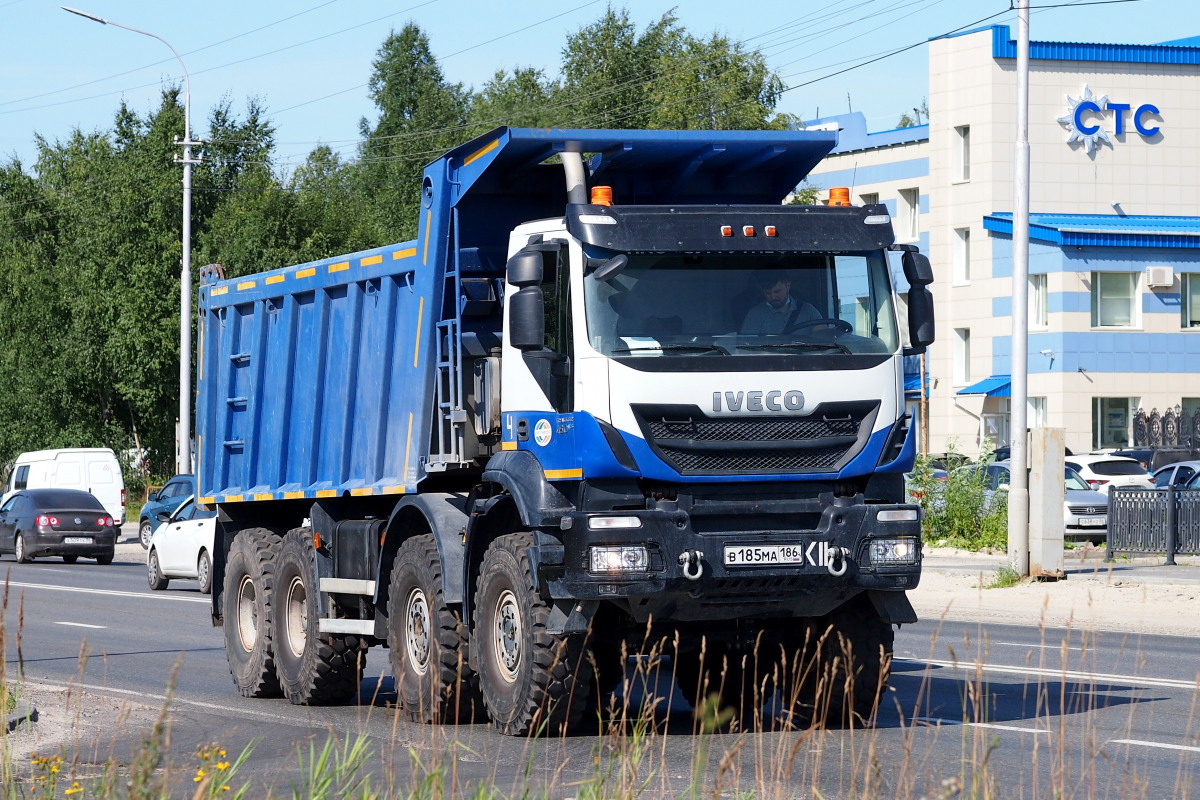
(25, 713)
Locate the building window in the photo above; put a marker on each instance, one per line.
(1191, 301)
(907, 210)
(1113, 296)
(962, 255)
(1110, 421)
(1035, 412)
(1038, 316)
(869, 199)
(962, 356)
(962, 153)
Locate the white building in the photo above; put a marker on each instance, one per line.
(1114, 287)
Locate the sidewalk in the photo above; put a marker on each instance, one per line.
(1081, 562)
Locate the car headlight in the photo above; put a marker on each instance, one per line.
(619, 558)
(893, 552)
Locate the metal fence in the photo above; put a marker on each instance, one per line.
(1174, 427)
(1154, 521)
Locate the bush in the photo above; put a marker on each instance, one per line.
(960, 510)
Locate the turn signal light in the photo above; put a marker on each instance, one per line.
(43, 519)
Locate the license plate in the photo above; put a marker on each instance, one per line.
(764, 555)
(1092, 522)
(77, 540)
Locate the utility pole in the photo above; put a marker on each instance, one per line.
(1018, 491)
(183, 426)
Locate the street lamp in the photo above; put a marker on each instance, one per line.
(183, 431)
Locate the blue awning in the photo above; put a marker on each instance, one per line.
(991, 386)
(912, 383)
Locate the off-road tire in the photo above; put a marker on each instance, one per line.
(853, 647)
(721, 670)
(145, 531)
(314, 668)
(105, 559)
(70, 559)
(532, 681)
(20, 551)
(427, 642)
(249, 598)
(204, 573)
(154, 574)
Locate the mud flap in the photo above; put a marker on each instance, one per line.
(893, 607)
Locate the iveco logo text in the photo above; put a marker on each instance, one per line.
(757, 401)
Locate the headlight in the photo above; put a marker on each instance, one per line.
(609, 523)
(619, 558)
(893, 552)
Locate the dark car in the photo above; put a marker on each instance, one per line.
(56, 522)
(167, 499)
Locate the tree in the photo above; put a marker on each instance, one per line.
(921, 111)
(525, 98)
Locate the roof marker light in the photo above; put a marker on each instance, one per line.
(770, 230)
(727, 230)
(747, 230)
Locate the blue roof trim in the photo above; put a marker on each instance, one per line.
(991, 386)
(1103, 230)
(1004, 46)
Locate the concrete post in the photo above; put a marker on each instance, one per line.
(1047, 492)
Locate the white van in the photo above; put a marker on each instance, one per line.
(92, 469)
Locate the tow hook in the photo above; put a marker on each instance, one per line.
(690, 561)
(839, 560)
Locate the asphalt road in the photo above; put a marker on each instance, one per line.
(1016, 708)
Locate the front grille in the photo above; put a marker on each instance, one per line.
(1084, 510)
(693, 443)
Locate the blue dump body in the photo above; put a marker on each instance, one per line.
(320, 380)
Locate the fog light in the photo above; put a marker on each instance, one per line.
(612, 523)
(893, 552)
(619, 558)
(897, 515)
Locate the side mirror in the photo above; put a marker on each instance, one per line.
(920, 318)
(527, 319)
(525, 268)
(163, 516)
(917, 269)
(611, 268)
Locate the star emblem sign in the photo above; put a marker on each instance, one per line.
(1089, 135)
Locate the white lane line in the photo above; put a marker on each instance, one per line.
(111, 592)
(1071, 675)
(1041, 646)
(1161, 745)
(992, 725)
(82, 625)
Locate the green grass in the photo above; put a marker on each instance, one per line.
(1005, 577)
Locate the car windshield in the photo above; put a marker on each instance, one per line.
(743, 304)
(1118, 468)
(1074, 480)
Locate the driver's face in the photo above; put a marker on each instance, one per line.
(778, 294)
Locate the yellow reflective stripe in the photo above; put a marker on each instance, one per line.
(428, 219)
(219, 290)
(417, 346)
(338, 267)
(481, 152)
(206, 500)
(231, 498)
(326, 493)
(274, 279)
(361, 492)
(407, 252)
(369, 260)
(306, 273)
(293, 495)
(245, 285)
(267, 496)
(408, 445)
(394, 490)
(508, 445)
(564, 473)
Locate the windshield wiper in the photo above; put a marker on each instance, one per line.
(678, 348)
(806, 345)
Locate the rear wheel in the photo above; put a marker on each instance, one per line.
(21, 551)
(314, 668)
(70, 559)
(154, 573)
(248, 606)
(144, 531)
(531, 680)
(723, 674)
(105, 559)
(427, 641)
(204, 572)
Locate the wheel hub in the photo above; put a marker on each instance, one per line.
(297, 616)
(508, 635)
(247, 614)
(417, 630)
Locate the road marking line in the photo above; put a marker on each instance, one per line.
(113, 592)
(82, 625)
(1161, 745)
(1160, 683)
(993, 725)
(1044, 646)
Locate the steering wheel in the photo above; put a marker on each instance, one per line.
(839, 325)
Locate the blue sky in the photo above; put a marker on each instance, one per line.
(309, 60)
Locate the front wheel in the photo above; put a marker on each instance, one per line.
(144, 531)
(531, 680)
(204, 572)
(314, 668)
(154, 573)
(248, 610)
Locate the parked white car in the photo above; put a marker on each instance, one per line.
(181, 547)
(1102, 472)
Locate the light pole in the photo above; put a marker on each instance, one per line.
(183, 431)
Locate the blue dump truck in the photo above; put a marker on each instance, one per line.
(615, 393)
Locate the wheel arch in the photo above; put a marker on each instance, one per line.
(442, 514)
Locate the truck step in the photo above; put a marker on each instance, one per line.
(348, 586)
(365, 627)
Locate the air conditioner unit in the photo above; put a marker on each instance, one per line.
(1160, 277)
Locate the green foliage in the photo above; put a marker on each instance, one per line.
(1005, 577)
(806, 194)
(960, 511)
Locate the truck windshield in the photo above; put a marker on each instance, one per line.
(743, 304)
